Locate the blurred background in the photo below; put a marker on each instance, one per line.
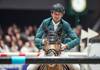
(34, 11)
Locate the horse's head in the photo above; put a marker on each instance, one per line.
(52, 44)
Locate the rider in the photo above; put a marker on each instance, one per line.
(69, 38)
(56, 23)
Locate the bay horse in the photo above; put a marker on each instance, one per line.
(52, 47)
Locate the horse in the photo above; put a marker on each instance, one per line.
(52, 47)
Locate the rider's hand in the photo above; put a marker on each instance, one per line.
(41, 53)
(44, 40)
(63, 46)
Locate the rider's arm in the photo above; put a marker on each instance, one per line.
(74, 40)
(38, 37)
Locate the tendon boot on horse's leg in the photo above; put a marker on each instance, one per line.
(76, 66)
(33, 66)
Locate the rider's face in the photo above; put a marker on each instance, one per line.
(56, 16)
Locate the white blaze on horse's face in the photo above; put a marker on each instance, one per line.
(51, 54)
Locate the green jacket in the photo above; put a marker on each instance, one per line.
(69, 37)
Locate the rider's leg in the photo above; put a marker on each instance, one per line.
(35, 66)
